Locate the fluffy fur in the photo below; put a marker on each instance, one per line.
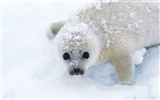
(110, 32)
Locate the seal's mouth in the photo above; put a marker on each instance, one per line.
(76, 71)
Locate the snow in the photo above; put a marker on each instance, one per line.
(137, 56)
(0, 53)
(30, 70)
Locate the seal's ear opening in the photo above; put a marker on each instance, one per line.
(54, 29)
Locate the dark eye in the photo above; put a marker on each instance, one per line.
(85, 55)
(66, 56)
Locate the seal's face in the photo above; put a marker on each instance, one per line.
(76, 50)
(76, 61)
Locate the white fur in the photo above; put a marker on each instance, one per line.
(63, 38)
(111, 32)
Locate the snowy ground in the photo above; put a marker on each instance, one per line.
(31, 72)
(0, 56)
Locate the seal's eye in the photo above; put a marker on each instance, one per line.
(85, 55)
(66, 56)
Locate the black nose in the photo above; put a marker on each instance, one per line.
(76, 70)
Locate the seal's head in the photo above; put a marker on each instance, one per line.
(76, 47)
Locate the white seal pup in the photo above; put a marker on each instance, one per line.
(106, 32)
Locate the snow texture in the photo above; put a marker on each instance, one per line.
(0, 55)
(30, 70)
